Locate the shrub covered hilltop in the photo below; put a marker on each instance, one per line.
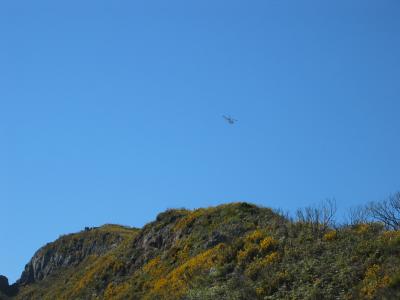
(232, 251)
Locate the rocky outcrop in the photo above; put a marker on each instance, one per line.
(6, 288)
(155, 238)
(3, 283)
(69, 250)
(173, 227)
(162, 237)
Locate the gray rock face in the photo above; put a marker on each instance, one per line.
(67, 251)
(154, 238)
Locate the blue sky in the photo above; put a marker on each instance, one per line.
(110, 111)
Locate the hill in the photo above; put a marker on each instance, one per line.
(232, 251)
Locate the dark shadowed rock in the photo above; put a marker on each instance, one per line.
(6, 288)
(3, 283)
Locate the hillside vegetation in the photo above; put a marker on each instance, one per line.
(232, 251)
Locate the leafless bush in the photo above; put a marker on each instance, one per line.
(319, 217)
(358, 215)
(386, 211)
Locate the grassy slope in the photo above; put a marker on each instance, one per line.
(235, 251)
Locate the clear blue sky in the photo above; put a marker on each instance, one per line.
(110, 111)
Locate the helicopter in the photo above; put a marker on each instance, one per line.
(229, 119)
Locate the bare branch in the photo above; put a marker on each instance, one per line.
(358, 215)
(320, 217)
(386, 211)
